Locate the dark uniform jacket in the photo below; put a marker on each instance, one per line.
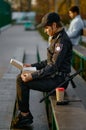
(59, 55)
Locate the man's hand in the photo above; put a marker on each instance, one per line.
(26, 76)
(26, 65)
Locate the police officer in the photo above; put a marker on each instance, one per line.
(50, 72)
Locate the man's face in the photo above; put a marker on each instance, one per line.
(72, 14)
(50, 30)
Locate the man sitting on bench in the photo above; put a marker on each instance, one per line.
(50, 73)
(76, 25)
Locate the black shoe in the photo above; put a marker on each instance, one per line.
(22, 121)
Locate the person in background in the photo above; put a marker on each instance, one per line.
(50, 73)
(76, 25)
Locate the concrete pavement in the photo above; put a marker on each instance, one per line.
(15, 37)
(15, 43)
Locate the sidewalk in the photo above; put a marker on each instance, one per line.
(8, 94)
(8, 82)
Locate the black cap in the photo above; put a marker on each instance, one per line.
(48, 19)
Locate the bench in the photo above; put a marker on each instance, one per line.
(84, 32)
(79, 54)
(73, 115)
(80, 88)
(68, 117)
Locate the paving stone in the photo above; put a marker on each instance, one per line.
(8, 84)
(8, 93)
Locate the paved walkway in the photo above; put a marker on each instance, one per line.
(21, 43)
(15, 37)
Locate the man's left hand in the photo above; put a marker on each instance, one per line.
(26, 76)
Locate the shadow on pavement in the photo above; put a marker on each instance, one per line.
(29, 128)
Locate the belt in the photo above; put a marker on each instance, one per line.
(62, 74)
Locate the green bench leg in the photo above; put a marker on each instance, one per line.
(81, 65)
(53, 123)
(73, 59)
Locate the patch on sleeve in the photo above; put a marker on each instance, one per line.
(58, 47)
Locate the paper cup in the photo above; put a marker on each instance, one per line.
(59, 94)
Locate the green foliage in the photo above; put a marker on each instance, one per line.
(5, 13)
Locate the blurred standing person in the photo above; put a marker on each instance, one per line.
(76, 25)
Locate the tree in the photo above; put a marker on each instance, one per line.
(42, 6)
(29, 5)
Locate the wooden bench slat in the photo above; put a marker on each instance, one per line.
(81, 87)
(71, 116)
(80, 50)
(84, 31)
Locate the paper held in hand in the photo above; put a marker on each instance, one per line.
(20, 66)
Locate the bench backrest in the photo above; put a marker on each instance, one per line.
(84, 32)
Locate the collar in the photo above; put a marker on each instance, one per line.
(58, 32)
(78, 16)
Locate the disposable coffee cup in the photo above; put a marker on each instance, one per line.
(59, 94)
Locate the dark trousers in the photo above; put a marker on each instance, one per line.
(43, 85)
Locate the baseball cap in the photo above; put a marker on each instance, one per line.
(48, 19)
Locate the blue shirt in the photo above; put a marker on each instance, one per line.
(74, 31)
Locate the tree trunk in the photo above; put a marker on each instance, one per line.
(68, 3)
(61, 4)
(29, 5)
